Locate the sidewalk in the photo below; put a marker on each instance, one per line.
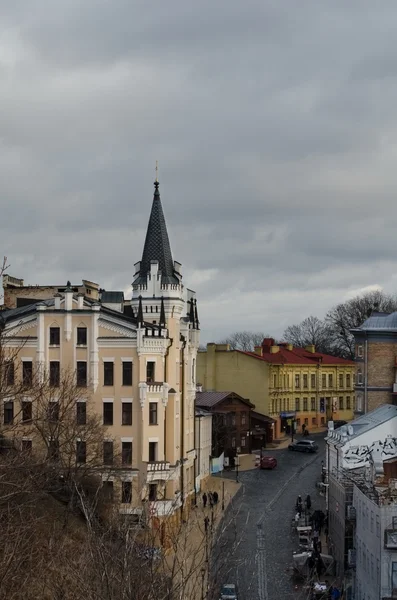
(189, 560)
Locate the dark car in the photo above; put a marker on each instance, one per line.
(268, 462)
(228, 592)
(303, 446)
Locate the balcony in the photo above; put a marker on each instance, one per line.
(158, 470)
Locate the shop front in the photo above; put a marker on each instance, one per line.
(287, 423)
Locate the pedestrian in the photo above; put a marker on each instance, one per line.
(211, 499)
(308, 502)
(205, 499)
(206, 523)
(215, 497)
(303, 428)
(315, 537)
(298, 501)
(297, 517)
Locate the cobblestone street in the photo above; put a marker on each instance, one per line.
(258, 539)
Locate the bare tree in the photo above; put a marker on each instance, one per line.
(244, 340)
(311, 331)
(351, 314)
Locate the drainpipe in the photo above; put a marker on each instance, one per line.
(182, 425)
(165, 408)
(366, 374)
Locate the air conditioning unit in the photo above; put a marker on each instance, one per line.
(351, 513)
(351, 557)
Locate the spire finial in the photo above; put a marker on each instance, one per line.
(157, 171)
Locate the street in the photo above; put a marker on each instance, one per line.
(256, 535)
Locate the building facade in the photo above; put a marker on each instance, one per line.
(284, 382)
(137, 362)
(231, 422)
(376, 361)
(203, 446)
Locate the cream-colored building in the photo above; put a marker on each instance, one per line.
(137, 361)
(203, 444)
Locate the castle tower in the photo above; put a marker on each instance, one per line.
(169, 360)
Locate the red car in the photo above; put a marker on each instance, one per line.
(268, 462)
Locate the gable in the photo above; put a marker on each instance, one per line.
(111, 328)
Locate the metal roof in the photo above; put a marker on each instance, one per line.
(367, 422)
(112, 297)
(380, 321)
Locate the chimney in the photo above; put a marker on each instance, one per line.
(274, 349)
(290, 347)
(266, 345)
(258, 350)
(80, 301)
(311, 348)
(57, 301)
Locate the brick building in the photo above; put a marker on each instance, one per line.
(376, 362)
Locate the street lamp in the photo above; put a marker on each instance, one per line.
(237, 464)
(202, 582)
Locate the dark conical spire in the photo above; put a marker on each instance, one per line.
(196, 315)
(157, 245)
(140, 312)
(162, 313)
(191, 312)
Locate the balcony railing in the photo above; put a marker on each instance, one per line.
(158, 466)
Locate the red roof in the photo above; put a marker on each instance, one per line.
(298, 356)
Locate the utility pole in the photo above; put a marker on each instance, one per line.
(223, 495)
(292, 429)
(237, 464)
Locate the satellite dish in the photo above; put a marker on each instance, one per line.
(350, 430)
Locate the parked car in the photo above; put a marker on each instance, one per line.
(303, 446)
(228, 592)
(268, 462)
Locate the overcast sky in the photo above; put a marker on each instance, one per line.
(274, 124)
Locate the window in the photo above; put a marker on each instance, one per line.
(313, 380)
(341, 380)
(359, 403)
(53, 412)
(81, 413)
(304, 403)
(55, 373)
(243, 418)
(81, 336)
(340, 402)
(306, 421)
(8, 413)
(314, 421)
(53, 450)
(26, 446)
(360, 351)
(233, 417)
(322, 420)
(354, 379)
(359, 377)
(288, 404)
(330, 381)
(127, 372)
(152, 492)
(394, 576)
(324, 381)
(150, 371)
(81, 452)
(313, 404)
(126, 413)
(108, 453)
(55, 336)
(10, 373)
(126, 453)
(153, 413)
(348, 405)
(153, 451)
(274, 380)
(26, 411)
(108, 369)
(297, 381)
(243, 441)
(305, 381)
(233, 442)
(27, 372)
(348, 380)
(297, 405)
(108, 490)
(126, 492)
(108, 413)
(298, 422)
(81, 373)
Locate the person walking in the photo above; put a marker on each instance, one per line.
(206, 524)
(205, 499)
(308, 502)
(215, 497)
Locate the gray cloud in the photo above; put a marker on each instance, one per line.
(275, 130)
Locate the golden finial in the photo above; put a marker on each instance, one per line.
(157, 171)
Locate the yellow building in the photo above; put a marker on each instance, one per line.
(135, 359)
(283, 382)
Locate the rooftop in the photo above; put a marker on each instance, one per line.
(211, 399)
(365, 423)
(379, 322)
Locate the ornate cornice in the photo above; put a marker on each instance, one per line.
(120, 329)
